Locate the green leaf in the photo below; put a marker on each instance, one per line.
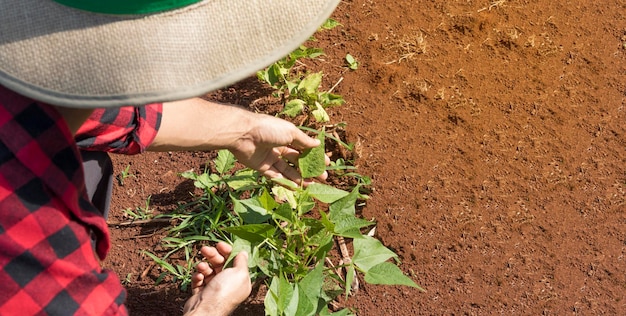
(242, 180)
(285, 195)
(225, 161)
(349, 279)
(330, 24)
(349, 226)
(320, 114)
(250, 210)
(312, 162)
(310, 290)
(267, 201)
(369, 251)
(292, 87)
(284, 212)
(271, 298)
(286, 183)
(280, 298)
(344, 206)
(306, 306)
(389, 274)
(273, 74)
(311, 83)
(253, 233)
(352, 63)
(240, 245)
(204, 181)
(292, 299)
(294, 107)
(312, 282)
(325, 193)
(327, 99)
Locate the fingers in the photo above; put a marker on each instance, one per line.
(281, 169)
(215, 257)
(224, 249)
(303, 141)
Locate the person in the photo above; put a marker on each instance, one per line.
(67, 62)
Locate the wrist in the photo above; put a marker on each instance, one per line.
(195, 306)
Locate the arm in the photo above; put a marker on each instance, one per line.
(259, 141)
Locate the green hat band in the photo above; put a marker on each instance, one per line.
(126, 6)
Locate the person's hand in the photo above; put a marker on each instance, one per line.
(217, 291)
(259, 141)
(271, 145)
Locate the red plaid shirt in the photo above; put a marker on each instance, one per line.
(126, 130)
(47, 262)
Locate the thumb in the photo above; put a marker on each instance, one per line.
(241, 261)
(304, 141)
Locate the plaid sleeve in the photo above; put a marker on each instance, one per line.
(47, 260)
(126, 130)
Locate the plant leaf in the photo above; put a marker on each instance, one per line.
(330, 24)
(242, 180)
(293, 107)
(286, 183)
(250, 210)
(271, 298)
(352, 63)
(312, 282)
(349, 226)
(240, 245)
(320, 114)
(284, 212)
(225, 161)
(267, 201)
(306, 306)
(325, 193)
(254, 233)
(345, 205)
(285, 195)
(312, 162)
(389, 274)
(310, 290)
(311, 83)
(369, 251)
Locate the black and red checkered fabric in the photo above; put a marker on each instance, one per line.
(47, 260)
(126, 130)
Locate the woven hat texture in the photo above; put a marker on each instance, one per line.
(75, 58)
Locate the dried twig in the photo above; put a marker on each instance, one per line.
(140, 222)
(345, 255)
(146, 271)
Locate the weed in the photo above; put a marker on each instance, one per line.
(128, 280)
(123, 175)
(140, 213)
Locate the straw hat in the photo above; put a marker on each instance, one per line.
(134, 52)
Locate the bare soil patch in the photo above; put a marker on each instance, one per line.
(495, 136)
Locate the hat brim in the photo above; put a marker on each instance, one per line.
(73, 58)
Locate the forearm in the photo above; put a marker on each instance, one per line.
(200, 125)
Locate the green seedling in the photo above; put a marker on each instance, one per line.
(352, 63)
(330, 24)
(124, 174)
(301, 93)
(128, 280)
(140, 213)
